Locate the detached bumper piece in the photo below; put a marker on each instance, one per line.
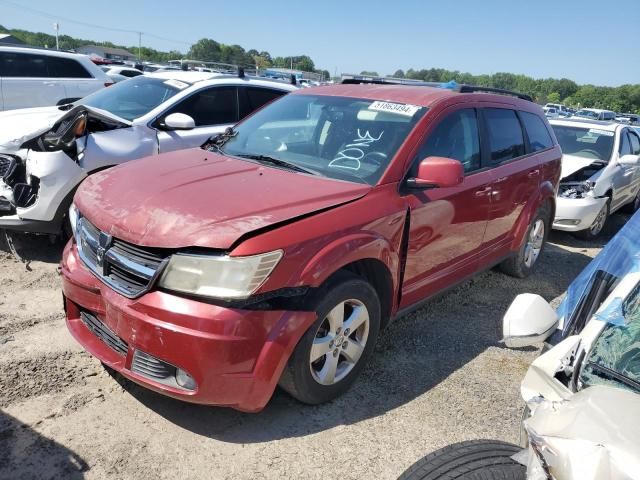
(14, 191)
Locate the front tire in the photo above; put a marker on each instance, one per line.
(522, 264)
(472, 460)
(334, 350)
(598, 224)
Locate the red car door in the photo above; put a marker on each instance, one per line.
(447, 225)
(516, 172)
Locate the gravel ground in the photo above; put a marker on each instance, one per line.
(439, 376)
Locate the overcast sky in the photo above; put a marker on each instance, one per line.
(585, 40)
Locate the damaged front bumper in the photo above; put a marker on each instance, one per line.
(575, 214)
(35, 188)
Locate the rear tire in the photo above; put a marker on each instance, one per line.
(522, 264)
(598, 224)
(472, 460)
(633, 206)
(341, 339)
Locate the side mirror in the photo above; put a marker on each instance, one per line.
(629, 160)
(437, 172)
(530, 319)
(178, 121)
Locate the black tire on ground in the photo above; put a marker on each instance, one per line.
(515, 266)
(633, 206)
(589, 233)
(297, 378)
(472, 460)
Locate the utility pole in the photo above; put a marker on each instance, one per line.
(56, 27)
(140, 46)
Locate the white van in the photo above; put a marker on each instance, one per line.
(37, 77)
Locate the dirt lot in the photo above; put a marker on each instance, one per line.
(439, 376)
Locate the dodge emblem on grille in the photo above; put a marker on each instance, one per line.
(104, 242)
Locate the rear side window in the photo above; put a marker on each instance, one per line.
(455, 137)
(539, 138)
(213, 106)
(40, 66)
(253, 98)
(505, 134)
(22, 65)
(66, 68)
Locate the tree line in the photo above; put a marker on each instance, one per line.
(625, 98)
(205, 49)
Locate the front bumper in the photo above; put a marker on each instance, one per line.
(58, 176)
(235, 356)
(575, 214)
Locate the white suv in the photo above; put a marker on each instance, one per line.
(36, 77)
(600, 174)
(46, 152)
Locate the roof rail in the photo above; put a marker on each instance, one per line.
(499, 91)
(358, 79)
(452, 85)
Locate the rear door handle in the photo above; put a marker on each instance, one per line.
(533, 173)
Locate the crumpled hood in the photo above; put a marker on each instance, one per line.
(571, 164)
(18, 126)
(198, 198)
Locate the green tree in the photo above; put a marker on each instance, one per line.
(369, 73)
(205, 49)
(553, 97)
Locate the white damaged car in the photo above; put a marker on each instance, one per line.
(46, 152)
(600, 174)
(582, 394)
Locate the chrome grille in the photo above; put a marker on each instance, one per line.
(128, 269)
(104, 333)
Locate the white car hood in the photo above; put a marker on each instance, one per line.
(571, 164)
(18, 126)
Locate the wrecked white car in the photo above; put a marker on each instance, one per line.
(46, 152)
(582, 394)
(600, 174)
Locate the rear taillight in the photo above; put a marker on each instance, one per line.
(108, 84)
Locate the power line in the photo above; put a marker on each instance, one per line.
(87, 24)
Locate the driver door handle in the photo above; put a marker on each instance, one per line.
(533, 173)
(483, 191)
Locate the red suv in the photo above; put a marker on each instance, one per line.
(275, 254)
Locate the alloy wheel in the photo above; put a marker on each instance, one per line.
(598, 223)
(339, 342)
(534, 243)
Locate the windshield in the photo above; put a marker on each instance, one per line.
(619, 257)
(585, 142)
(135, 97)
(615, 357)
(344, 138)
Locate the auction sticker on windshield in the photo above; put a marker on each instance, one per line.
(176, 84)
(397, 108)
(604, 133)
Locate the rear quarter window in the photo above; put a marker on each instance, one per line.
(539, 137)
(506, 141)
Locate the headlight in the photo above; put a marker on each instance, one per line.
(576, 190)
(73, 217)
(218, 276)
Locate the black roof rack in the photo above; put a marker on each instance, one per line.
(499, 91)
(452, 85)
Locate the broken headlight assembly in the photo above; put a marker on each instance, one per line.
(218, 276)
(576, 190)
(63, 136)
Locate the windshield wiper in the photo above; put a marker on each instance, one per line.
(607, 372)
(277, 162)
(218, 140)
